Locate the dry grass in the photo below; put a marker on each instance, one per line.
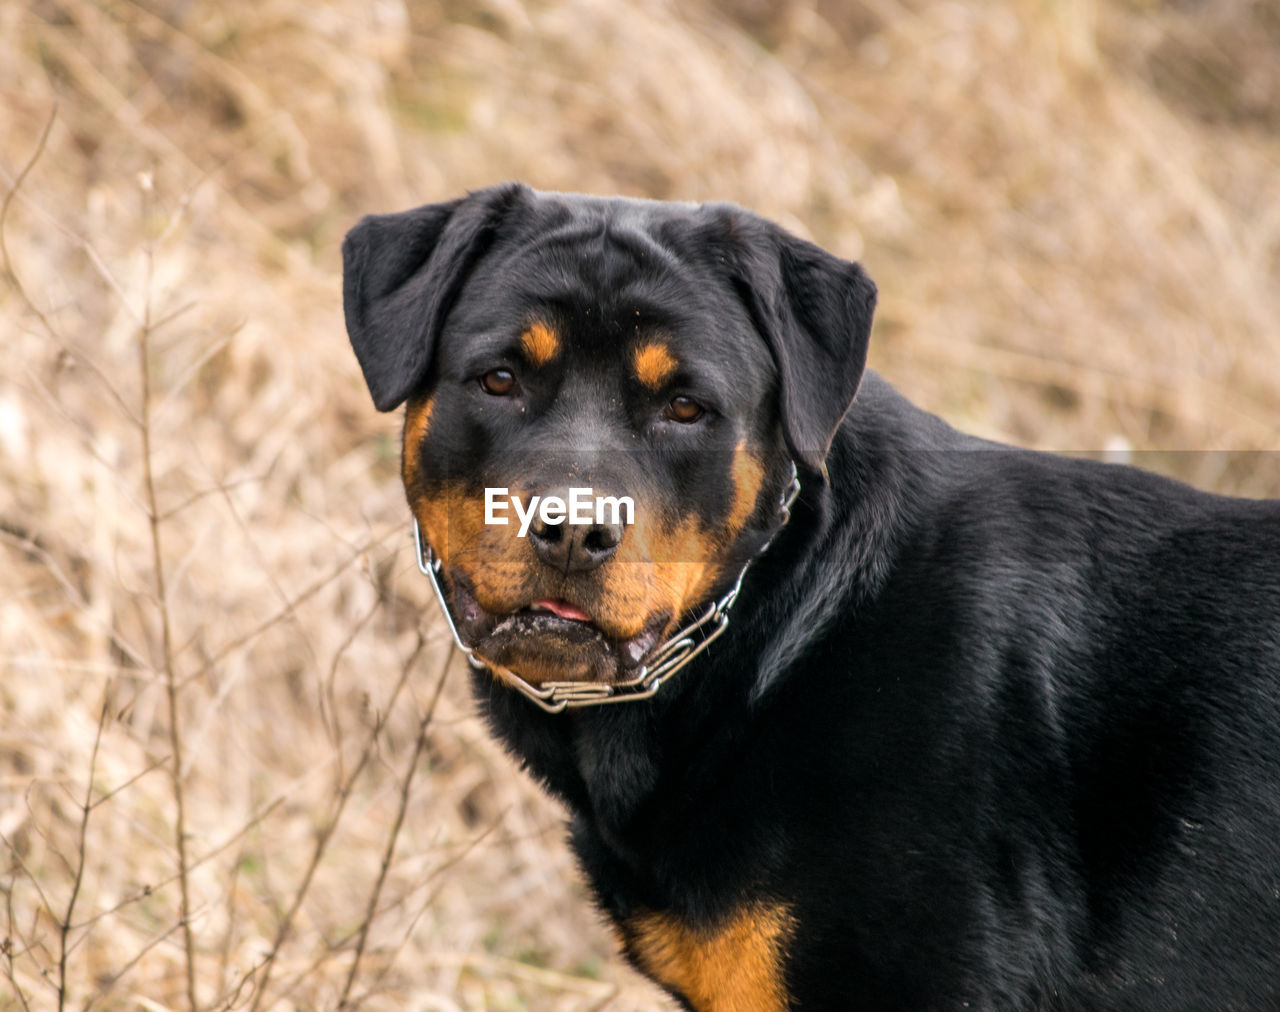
(218, 667)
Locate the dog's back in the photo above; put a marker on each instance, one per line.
(1058, 705)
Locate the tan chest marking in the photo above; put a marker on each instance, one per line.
(539, 344)
(653, 364)
(735, 967)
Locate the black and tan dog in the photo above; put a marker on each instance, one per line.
(987, 728)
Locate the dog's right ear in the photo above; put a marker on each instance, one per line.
(813, 310)
(400, 275)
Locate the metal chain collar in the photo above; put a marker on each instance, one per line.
(671, 655)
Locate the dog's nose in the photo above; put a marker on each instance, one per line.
(574, 548)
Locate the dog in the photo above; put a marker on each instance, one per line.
(856, 711)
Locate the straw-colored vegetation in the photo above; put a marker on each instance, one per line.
(226, 780)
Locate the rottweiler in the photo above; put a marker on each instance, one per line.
(854, 711)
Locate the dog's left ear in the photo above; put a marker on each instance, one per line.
(814, 311)
(400, 275)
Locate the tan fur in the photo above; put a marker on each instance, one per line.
(653, 364)
(748, 476)
(540, 344)
(665, 566)
(733, 967)
(417, 419)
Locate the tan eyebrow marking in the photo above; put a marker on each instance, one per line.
(654, 365)
(540, 344)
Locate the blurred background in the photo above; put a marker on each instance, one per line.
(232, 774)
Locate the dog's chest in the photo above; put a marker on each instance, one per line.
(732, 966)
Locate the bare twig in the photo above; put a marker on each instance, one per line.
(237, 642)
(78, 425)
(21, 865)
(7, 947)
(437, 873)
(82, 852)
(228, 934)
(100, 90)
(231, 997)
(131, 781)
(328, 701)
(119, 975)
(170, 397)
(11, 274)
(327, 830)
(220, 489)
(166, 635)
(288, 607)
(5, 260)
(29, 544)
(209, 855)
(371, 909)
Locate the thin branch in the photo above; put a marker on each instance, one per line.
(289, 607)
(327, 697)
(82, 431)
(232, 894)
(430, 898)
(231, 997)
(130, 782)
(148, 889)
(370, 914)
(237, 642)
(167, 319)
(184, 377)
(7, 947)
(86, 809)
(29, 544)
(109, 985)
(326, 832)
(104, 272)
(35, 882)
(11, 273)
(8, 202)
(219, 489)
(46, 837)
(166, 635)
(117, 105)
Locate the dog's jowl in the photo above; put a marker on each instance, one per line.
(850, 710)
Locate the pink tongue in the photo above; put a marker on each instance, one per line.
(563, 609)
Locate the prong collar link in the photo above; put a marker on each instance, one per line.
(672, 655)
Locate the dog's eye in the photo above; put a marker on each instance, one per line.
(683, 409)
(498, 382)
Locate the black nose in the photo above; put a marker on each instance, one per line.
(574, 548)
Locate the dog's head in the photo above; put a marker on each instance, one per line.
(678, 356)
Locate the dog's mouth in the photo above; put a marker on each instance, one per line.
(551, 639)
(559, 608)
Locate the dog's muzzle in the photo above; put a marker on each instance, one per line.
(668, 657)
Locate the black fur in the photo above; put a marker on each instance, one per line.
(1001, 728)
